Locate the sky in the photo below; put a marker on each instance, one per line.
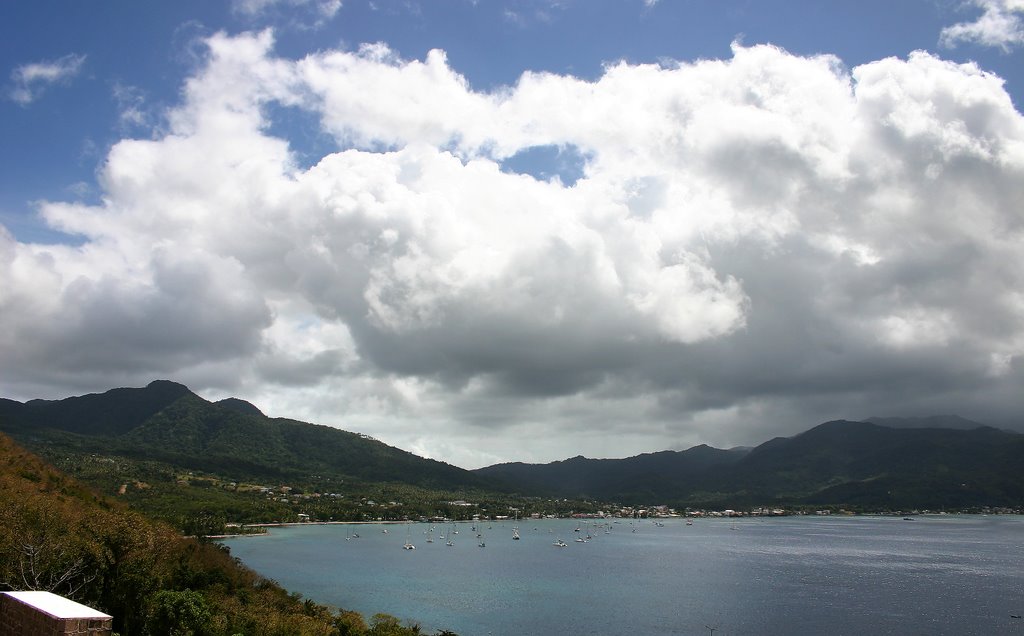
(488, 231)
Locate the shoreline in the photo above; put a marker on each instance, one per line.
(283, 524)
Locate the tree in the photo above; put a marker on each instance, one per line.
(177, 613)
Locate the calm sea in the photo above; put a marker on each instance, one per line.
(793, 575)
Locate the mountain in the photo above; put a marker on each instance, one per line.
(859, 464)
(643, 477)
(937, 462)
(168, 423)
(877, 466)
(932, 421)
(106, 414)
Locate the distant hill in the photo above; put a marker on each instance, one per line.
(859, 464)
(932, 421)
(166, 422)
(877, 466)
(647, 477)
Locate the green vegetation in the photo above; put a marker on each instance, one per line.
(201, 468)
(199, 465)
(57, 535)
(855, 465)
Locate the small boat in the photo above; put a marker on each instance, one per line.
(515, 534)
(408, 546)
(560, 544)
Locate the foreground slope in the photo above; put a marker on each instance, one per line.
(56, 535)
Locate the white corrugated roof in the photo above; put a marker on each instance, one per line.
(56, 605)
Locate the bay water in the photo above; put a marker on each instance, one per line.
(947, 574)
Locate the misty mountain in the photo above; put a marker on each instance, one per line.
(166, 422)
(860, 464)
(932, 421)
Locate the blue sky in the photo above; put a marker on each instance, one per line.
(609, 218)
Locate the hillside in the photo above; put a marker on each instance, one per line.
(166, 422)
(646, 477)
(184, 459)
(858, 464)
(56, 535)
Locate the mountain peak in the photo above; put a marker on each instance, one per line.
(240, 406)
(168, 387)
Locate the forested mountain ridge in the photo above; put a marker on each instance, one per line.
(647, 477)
(938, 462)
(859, 464)
(166, 422)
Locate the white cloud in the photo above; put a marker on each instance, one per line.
(131, 105)
(302, 13)
(31, 80)
(765, 236)
(1000, 25)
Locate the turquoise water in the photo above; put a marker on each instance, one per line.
(793, 575)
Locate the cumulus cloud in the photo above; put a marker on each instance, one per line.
(760, 242)
(31, 80)
(1000, 25)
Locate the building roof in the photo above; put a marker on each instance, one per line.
(56, 606)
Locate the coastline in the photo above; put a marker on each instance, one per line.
(282, 524)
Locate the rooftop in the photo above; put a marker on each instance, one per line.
(56, 606)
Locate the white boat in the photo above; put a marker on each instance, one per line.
(560, 544)
(408, 540)
(515, 534)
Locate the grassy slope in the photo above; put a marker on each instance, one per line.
(57, 535)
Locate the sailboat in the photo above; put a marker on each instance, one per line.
(408, 540)
(481, 535)
(515, 534)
